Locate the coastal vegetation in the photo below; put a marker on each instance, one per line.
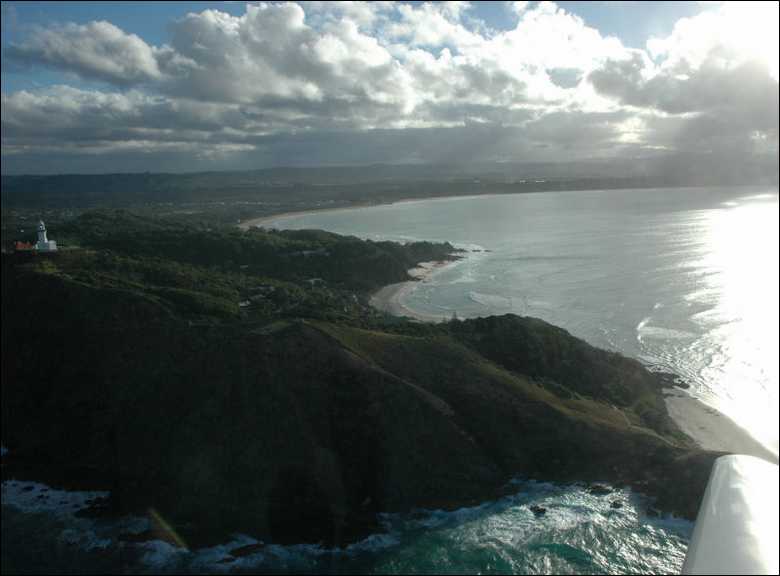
(225, 197)
(239, 381)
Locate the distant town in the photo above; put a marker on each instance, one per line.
(226, 198)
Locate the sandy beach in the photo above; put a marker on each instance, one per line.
(389, 298)
(247, 224)
(265, 219)
(709, 428)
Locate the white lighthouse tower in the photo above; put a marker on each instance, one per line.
(44, 244)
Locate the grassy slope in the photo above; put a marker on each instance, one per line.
(131, 366)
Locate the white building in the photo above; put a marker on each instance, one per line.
(44, 244)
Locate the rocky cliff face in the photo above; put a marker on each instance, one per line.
(299, 429)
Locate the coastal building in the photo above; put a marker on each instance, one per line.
(23, 246)
(44, 244)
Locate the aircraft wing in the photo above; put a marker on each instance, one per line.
(736, 530)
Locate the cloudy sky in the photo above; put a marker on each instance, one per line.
(93, 87)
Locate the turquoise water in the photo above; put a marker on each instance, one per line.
(579, 534)
(684, 279)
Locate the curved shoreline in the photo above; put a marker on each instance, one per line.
(254, 222)
(305, 212)
(705, 425)
(708, 427)
(712, 429)
(388, 298)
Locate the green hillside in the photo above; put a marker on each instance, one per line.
(238, 381)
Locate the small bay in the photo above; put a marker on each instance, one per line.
(683, 279)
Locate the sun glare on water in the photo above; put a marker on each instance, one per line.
(742, 256)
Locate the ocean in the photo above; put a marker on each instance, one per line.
(579, 534)
(683, 279)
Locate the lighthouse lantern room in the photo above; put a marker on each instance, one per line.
(44, 244)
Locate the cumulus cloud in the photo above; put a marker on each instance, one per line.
(270, 57)
(399, 81)
(708, 87)
(434, 25)
(364, 14)
(63, 113)
(517, 6)
(736, 32)
(98, 49)
(745, 87)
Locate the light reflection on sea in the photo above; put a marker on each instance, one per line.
(684, 279)
(580, 533)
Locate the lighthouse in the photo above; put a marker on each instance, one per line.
(44, 244)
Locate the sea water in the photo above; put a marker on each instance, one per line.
(580, 533)
(683, 279)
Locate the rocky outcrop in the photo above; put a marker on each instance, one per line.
(302, 430)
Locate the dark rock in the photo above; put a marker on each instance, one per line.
(148, 536)
(247, 550)
(97, 508)
(306, 433)
(138, 537)
(28, 489)
(669, 380)
(538, 510)
(599, 490)
(616, 504)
